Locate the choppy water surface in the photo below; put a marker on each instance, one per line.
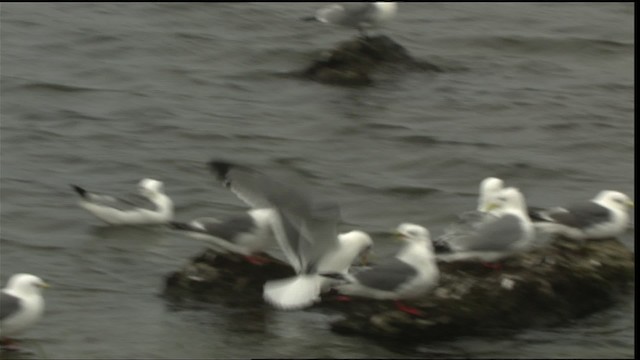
(101, 95)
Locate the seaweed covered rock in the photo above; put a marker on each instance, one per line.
(215, 277)
(353, 62)
(546, 286)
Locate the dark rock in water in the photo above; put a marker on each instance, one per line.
(547, 286)
(216, 277)
(353, 62)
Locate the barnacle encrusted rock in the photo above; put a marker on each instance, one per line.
(546, 286)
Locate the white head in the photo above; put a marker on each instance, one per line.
(25, 284)
(388, 9)
(356, 242)
(419, 249)
(614, 199)
(413, 232)
(488, 188)
(150, 187)
(508, 199)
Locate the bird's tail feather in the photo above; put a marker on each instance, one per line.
(293, 293)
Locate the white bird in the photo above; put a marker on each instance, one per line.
(305, 229)
(411, 273)
(508, 231)
(488, 188)
(356, 15)
(604, 216)
(247, 234)
(153, 207)
(21, 305)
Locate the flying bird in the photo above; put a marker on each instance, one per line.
(305, 228)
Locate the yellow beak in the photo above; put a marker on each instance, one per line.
(491, 206)
(630, 203)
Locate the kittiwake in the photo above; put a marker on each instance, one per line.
(153, 207)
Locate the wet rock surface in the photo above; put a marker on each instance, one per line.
(547, 286)
(355, 62)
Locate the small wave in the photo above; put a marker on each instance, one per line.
(560, 126)
(44, 86)
(540, 44)
(387, 126)
(411, 190)
(27, 245)
(430, 140)
(407, 190)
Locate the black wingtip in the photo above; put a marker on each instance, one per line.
(309, 18)
(441, 247)
(220, 168)
(82, 192)
(179, 225)
(537, 214)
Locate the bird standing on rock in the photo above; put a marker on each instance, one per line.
(356, 15)
(410, 274)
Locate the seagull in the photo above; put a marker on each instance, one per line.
(410, 274)
(604, 216)
(305, 229)
(489, 187)
(509, 231)
(356, 15)
(153, 207)
(21, 305)
(246, 234)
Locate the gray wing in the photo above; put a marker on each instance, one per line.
(493, 236)
(9, 305)
(228, 229)
(308, 226)
(386, 276)
(537, 213)
(133, 201)
(581, 215)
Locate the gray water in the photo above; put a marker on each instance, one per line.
(102, 95)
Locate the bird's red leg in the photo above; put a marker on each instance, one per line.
(8, 344)
(407, 309)
(257, 259)
(494, 266)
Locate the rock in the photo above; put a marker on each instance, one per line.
(353, 62)
(215, 277)
(546, 286)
